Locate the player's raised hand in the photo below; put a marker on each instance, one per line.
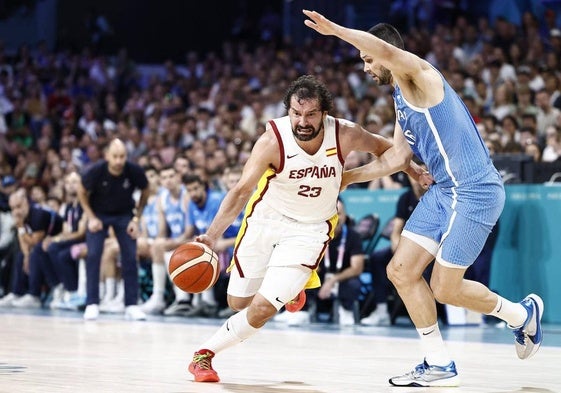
(319, 23)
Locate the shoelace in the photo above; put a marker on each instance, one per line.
(519, 336)
(419, 370)
(203, 361)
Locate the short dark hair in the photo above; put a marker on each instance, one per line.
(308, 87)
(387, 33)
(190, 178)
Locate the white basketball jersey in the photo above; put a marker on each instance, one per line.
(304, 187)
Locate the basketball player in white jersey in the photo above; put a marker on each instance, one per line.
(289, 186)
(454, 217)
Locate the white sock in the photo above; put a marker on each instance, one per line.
(512, 313)
(180, 295)
(235, 330)
(433, 346)
(208, 297)
(159, 276)
(82, 277)
(120, 295)
(381, 308)
(101, 290)
(109, 288)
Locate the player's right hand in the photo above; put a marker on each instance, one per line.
(206, 239)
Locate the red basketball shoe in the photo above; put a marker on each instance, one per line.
(201, 367)
(297, 303)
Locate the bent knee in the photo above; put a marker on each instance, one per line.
(399, 276)
(238, 303)
(444, 294)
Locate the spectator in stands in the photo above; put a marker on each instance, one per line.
(202, 208)
(510, 130)
(524, 97)
(7, 187)
(59, 248)
(342, 264)
(106, 195)
(149, 223)
(547, 114)
(552, 150)
(503, 103)
(7, 250)
(34, 225)
(171, 208)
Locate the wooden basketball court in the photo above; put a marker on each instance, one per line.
(58, 352)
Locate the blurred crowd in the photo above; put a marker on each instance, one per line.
(57, 109)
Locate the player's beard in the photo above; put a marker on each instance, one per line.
(385, 77)
(307, 137)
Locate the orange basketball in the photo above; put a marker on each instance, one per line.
(193, 267)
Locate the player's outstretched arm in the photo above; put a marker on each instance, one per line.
(399, 61)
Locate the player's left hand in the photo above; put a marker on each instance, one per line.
(319, 23)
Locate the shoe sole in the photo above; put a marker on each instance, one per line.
(533, 347)
(445, 383)
(129, 318)
(206, 378)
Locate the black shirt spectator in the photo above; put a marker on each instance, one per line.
(111, 194)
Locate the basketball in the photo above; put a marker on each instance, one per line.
(193, 267)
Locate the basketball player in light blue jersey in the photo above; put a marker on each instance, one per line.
(171, 207)
(149, 219)
(454, 217)
(203, 207)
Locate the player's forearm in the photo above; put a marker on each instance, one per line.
(382, 166)
(364, 41)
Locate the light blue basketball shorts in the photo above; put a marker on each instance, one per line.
(458, 221)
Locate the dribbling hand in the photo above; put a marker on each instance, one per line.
(205, 239)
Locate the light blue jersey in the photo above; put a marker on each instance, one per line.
(468, 195)
(174, 212)
(150, 215)
(201, 217)
(446, 139)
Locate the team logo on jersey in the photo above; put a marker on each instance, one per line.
(401, 115)
(126, 184)
(331, 151)
(409, 137)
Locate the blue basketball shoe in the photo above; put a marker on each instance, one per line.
(528, 337)
(425, 375)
